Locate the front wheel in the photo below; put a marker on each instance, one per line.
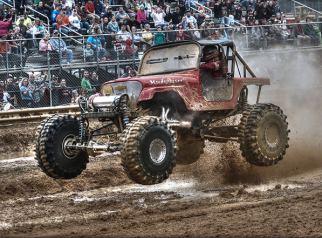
(52, 153)
(264, 134)
(149, 150)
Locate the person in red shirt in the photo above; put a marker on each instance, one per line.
(63, 20)
(213, 64)
(90, 12)
(4, 51)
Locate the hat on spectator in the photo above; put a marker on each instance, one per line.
(54, 77)
(10, 76)
(25, 13)
(59, 5)
(210, 23)
(141, 5)
(273, 15)
(188, 10)
(10, 30)
(55, 31)
(109, 8)
(21, 19)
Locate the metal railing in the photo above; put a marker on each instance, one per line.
(199, 4)
(48, 25)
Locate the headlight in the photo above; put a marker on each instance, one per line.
(107, 90)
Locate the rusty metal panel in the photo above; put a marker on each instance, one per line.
(216, 89)
(170, 59)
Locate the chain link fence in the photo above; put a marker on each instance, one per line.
(55, 70)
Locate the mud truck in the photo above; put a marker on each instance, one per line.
(164, 115)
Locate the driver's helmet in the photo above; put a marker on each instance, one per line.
(209, 53)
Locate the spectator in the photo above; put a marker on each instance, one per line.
(159, 37)
(182, 8)
(4, 26)
(59, 46)
(171, 34)
(309, 30)
(168, 15)
(184, 22)
(113, 26)
(3, 89)
(217, 11)
(62, 22)
(141, 17)
(299, 33)
(26, 19)
(267, 35)
(181, 35)
(55, 91)
(109, 14)
(270, 10)
(5, 52)
(190, 4)
(104, 26)
(47, 4)
(82, 16)
(13, 91)
(66, 93)
(205, 34)
(123, 34)
(225, 14)
(206, 3)
(276, 33)
(90, 12)
(35, 89)
(89, 53)
(12, 18)
(257, 37)
(26, 95)
(130, 52)
(147, 36)
(130, 7)
(132, 22)
(148, 8)
(159, 3)
(45, 44)
(75, 97)
(20, 6)
(276, 7)
(248, 4)
(75, 21)
(122, 15)
(176, 17)
(96, 45)
(200, 18)
(55, 14)
(41, 8)
(158, 18)
(191, 19)
(86, 84)
(95, 81)
(260, 11)
(23, 28)
(99, 8)
(14, 46)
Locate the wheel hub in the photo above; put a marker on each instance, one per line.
(67, 146)
(157, 151)
(272, 134)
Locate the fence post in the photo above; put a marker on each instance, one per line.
(21, 67)
(59, 51)
(97, 53)
(294, 9)
(7, 57)
(118, 63)
(133, 51)
(49, 78)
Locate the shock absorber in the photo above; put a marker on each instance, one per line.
(125, 112)
(244, 96)
(81, 129)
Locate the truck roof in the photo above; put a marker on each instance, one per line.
(201, 43)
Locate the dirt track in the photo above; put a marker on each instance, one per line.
(219, 195)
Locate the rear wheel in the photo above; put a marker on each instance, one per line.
(52, 152)
(149, 150)
(264, 135)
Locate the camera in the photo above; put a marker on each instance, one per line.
(74, 10)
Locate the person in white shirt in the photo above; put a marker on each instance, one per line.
(191, 19)
(74, 21)
(123, 34)
(158, 18)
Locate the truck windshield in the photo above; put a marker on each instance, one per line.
(172, 58)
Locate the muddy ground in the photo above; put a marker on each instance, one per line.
(219, 195)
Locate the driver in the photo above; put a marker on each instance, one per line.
(213, 64)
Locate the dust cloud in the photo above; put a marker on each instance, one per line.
(296, 87)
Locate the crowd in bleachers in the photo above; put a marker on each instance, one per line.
(149, 22)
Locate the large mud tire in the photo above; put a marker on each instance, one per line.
(50, 154)
(190, 152)
(148, 150)
(264, 134)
